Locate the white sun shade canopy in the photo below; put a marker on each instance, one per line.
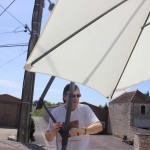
(98, 53)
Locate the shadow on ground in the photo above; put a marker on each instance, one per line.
(35, 146)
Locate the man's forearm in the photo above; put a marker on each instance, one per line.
(94, 128)
(50, 135)
(54, 129)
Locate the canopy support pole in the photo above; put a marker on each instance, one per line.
(67, 119)
(130, 55)
(40, 103)
(47, 87)
(76, 32)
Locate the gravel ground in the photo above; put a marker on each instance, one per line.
(97, 142)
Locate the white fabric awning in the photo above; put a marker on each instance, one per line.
(98, 51)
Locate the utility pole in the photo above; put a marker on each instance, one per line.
(29, 78)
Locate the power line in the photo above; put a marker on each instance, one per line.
(12, 59)
(13, 17)
(15, 31)
(7, 32)
(7, 8)
(25, 26)
(13, 45)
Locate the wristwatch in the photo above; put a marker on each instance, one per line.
(85, 130)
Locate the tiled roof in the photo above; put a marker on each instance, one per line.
(93, 106)
(134, 96)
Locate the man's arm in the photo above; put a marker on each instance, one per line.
(51, 134)
(92, 129)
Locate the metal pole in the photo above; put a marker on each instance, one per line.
(47, 87)
(68, 114)
(40, 103)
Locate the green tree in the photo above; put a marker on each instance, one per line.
(147, 93)
(100, 106)
(105, 107)
(40, 112)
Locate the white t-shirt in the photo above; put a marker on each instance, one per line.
(84, 115)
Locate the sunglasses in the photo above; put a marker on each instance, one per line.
(75, 95)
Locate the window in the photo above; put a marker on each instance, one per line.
(142, 110)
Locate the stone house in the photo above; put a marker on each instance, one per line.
(129, 113)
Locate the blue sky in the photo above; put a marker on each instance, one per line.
(12, 59)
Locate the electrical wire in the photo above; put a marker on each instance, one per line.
(7, 32)
(7, 8)
(13, 45)
(25, 26)
(13, 16)
(12, 59)
(15, 31)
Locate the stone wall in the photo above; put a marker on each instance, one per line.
(137, 110)
(119, 119)
(137, 130)
(138, 119)
(141, 141)
(122, 117)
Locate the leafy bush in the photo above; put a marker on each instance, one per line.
(32, 129)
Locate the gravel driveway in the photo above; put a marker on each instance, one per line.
(97, 142)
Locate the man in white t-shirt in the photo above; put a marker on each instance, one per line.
(82, 123)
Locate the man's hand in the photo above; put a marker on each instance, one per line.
(51, 134)
(56, 127)
(76, 131)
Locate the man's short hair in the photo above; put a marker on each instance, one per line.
(66, 89)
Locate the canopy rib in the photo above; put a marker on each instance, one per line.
(130, 55)
(111, 46)
(146, 25)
